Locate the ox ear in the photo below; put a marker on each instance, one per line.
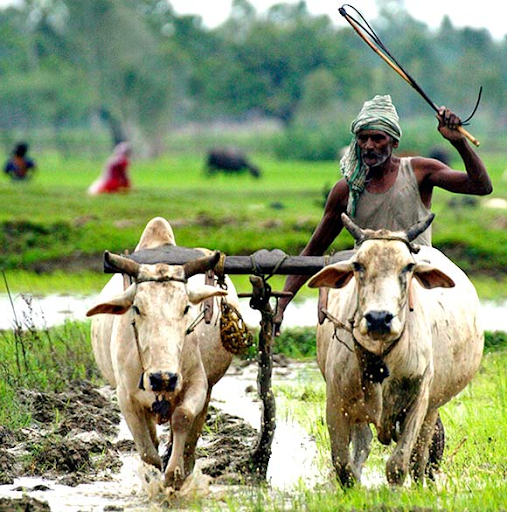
(333, 276)
(197, 294)
(430, 277)
(117, 305)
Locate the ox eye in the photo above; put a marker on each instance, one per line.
(409, 268)
(136, 310)
(358, 267)
(187, 309)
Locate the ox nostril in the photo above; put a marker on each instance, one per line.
(163, 381)
(156, 381)
(379, 321)
(172, 382)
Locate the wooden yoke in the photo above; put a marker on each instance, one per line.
(262, 262)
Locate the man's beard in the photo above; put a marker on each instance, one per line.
(379, 157)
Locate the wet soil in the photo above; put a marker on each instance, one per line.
(74, 440)
(69, 440)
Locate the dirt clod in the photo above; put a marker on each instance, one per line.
(24, 504)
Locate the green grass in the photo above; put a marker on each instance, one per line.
(52, 220)
(474, 469)
(45, 360)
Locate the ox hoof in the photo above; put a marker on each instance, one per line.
(395, 472)
(346, 477)
(174, 479)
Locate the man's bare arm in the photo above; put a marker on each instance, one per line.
(475, 181)
(327, 230)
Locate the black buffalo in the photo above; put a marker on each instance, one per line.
(230, 161)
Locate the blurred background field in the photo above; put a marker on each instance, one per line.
(51, 231)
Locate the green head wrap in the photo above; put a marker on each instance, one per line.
(376, 114)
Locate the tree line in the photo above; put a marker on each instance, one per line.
(139, 69)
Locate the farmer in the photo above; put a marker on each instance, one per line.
(380, 190)
(19, 167)
(114, 177)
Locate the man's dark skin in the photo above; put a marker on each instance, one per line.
(377, 154)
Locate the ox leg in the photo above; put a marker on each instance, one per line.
(339, 434)
(361, 445)
(398, 464)
(168, 451)
(140, 427)
(182, 420)
(420, 455)
(152, 428)
(437, 447)
(193, 437)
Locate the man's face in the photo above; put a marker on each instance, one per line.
(376, 146)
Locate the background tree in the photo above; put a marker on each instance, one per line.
(141, 70)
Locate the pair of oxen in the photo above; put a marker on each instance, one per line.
(401, 337)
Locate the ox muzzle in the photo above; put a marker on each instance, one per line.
(379, 322)
(160, 381)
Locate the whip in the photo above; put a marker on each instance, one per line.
(369, 36)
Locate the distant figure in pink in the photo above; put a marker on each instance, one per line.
(114, 178)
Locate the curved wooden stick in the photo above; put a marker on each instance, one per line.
(402, 73)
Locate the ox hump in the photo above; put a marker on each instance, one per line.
(157, 232)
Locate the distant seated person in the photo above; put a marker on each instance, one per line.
(20, 166)
(114, 177)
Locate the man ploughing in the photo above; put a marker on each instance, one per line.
(381, 190)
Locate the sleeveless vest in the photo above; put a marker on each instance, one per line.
(396, 209)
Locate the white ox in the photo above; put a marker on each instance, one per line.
(143, 347)
(403, 340)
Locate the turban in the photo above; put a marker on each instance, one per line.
(376, 114)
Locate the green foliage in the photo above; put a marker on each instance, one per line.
(495, 340)
(46, 360)
(309, 142)
(298, 343)
(138, 69)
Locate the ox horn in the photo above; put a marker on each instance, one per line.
(414, 231)
(201, 265)
(124, 265)
(353, 228)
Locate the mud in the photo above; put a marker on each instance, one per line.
(74, 440)
(225, 447)
(69, 440)
(24, 504)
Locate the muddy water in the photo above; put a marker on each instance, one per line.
(294, 452)
(138, 486)
(45, 311)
